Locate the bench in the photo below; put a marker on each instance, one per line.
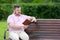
(44, 29)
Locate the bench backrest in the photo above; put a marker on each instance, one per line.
(44, 29)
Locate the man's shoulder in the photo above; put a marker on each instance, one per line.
(24, 15)
(10, 15)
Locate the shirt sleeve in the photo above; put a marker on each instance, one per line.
(28, 17)
(10, 19)
(34, 19)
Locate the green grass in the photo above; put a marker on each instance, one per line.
(3, 27)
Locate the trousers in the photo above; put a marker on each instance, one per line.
(14, 35)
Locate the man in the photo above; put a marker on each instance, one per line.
(16, 26)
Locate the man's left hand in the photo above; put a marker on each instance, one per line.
(33, 19)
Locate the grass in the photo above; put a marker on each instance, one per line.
(3, 27)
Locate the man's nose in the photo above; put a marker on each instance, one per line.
(18, 12)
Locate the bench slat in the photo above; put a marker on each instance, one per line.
(45, 29)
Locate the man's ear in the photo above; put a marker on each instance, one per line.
(14, 11)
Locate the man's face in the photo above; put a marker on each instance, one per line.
(17, 10)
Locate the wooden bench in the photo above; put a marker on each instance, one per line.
(44, 29)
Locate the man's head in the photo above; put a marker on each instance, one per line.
(17, 9)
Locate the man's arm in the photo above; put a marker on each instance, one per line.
(33, 19)
(14, 26)
(10, 22)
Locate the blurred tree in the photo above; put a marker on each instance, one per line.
(55, 0)
(8, 1)
(27, 1)
(42, 1)
(3, 1)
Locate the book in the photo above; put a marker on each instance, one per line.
(27, 22)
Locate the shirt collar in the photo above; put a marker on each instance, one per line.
(16, 15)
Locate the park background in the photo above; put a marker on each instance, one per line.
(41, 9)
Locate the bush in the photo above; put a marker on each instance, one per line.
(43, 11)
(39, 11)
(5, 10)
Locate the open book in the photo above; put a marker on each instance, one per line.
(27, 22)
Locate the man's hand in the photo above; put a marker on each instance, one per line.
(33, 19)
(26, 26)
(17, 27)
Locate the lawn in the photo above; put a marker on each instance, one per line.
(3, 27)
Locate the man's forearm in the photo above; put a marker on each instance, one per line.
(14, 26)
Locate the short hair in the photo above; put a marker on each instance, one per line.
(16, 6)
